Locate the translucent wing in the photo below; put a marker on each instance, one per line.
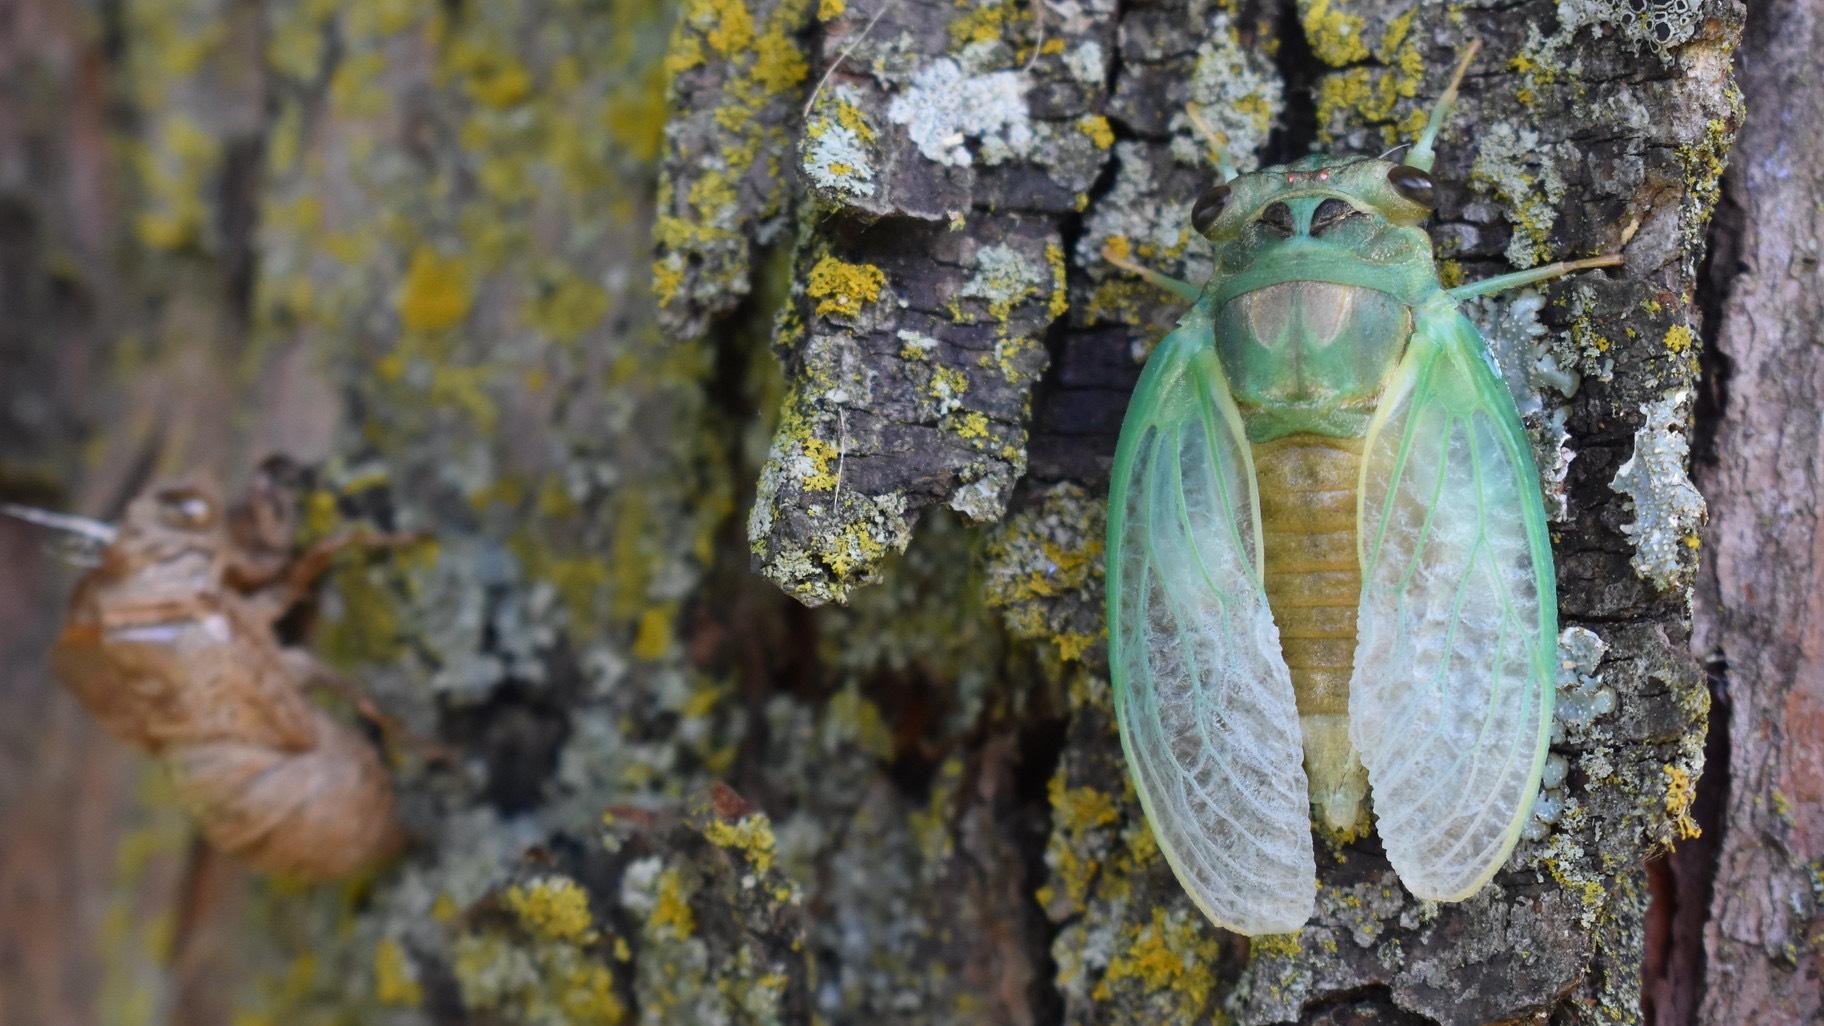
(1204, 699)
(1450, 704)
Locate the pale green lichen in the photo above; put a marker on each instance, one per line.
(1237, 93)
(942, 108)
(1668, 509)
(1526, 355)
(1004, 278)
(1520, 169)
(837, 145)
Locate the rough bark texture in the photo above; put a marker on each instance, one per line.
(878, 359)
(1761, 621)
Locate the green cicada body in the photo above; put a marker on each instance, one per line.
(1329, 575)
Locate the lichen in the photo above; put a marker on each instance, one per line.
(942, 108)
(1668, 509)
(1526, 355)
(554, 907)
(843, 289)
(751, 834)
(1520, 169)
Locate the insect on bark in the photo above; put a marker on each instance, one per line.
(170, 643)
(1329, 575)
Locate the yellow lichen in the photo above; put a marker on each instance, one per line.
(586, 995)
(555, 907)
(844, 288)
(1681, 792)
(671, 914)
(1072, 644)
(1274, 945)
(1679, 339)
(1060, 298)
(972, 425)
(1097, 128)
(435, 294)
(1169, 953)
(823, 459)
(654, 636)
(751, 834)
(394, 981)
(1336, 37)
(569, 308)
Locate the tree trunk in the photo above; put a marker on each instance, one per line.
(879, 360)
(1759, 614)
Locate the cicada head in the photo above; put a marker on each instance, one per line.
(1350, 221)
(1346, 220)
(171, 538)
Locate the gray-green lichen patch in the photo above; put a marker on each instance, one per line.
(1145, 216)
(1541, 388)
(737, 76)
(941, 167)
(909, 386)
(1520, 169)
(942, 110)
(1368, 929)
(1668, 510)
(1043, 569)
(1582, 695)
(1237, 93)
(837, 151)
(1659, 25)
(1582, 699)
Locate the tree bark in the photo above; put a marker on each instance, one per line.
(1759, 613)
(618, 300)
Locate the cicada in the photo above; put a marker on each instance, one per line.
(170, 643)
(1329, 576)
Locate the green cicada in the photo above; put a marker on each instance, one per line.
(1329, 574)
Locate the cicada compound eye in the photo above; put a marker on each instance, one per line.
(185, 509)
(1413, 184)
(1209, 207)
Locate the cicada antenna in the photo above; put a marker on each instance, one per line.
(90, 530)
(1216, 141)
(1422, 156)
(885, 6)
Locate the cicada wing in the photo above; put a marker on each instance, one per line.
(1204, 700)
(1450, 703)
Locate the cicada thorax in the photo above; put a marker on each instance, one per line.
(1306, 361)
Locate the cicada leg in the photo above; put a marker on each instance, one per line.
(1177, 287)
(313, 672)
(1503, 282)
